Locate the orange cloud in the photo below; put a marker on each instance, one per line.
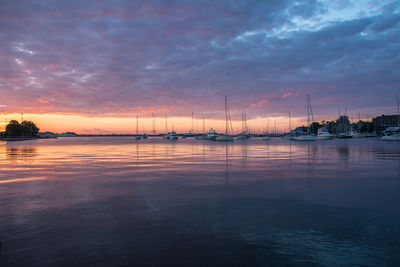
(259, 103)
(287, 95)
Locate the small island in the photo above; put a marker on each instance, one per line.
(15, 131)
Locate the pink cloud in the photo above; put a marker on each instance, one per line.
(287, 95)
(259, 103)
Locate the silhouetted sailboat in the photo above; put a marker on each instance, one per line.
(166, 135)
(309, 136)
(244, 134)
(226, 136)
(137, 137)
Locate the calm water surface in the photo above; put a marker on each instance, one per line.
(112, 201)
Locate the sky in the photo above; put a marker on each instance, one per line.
(92, 66)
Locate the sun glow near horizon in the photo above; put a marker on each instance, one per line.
(82, 124)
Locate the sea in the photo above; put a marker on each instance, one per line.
(116, 201)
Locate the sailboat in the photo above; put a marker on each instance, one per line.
(137, 137)
(190, 133)
(243, 134)
(226, 136)
(291, 134)
(173, 135)
(267, 137)
(202, 136)
(308, 136)
(392, 133)
(166, 135)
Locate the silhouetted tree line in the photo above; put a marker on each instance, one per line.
(26, 128)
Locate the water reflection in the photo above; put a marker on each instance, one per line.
(137, 153)
(311, 155)
(287, 203)
(227, 164)
(343, 151)
(20, 153)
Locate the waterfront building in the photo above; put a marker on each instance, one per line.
(384, 121)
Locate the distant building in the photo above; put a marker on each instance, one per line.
(67, 134)
(385, 121)
(47, 135)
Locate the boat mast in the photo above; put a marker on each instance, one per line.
(226, 115)
(166, 123)
(290, 123)
(398, 111)
(192, 130)
(137, 124)
(204, 125)
(154, 122)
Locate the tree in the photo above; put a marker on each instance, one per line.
(314, 127)
(13, 128)
(26, 128)
(29, 128)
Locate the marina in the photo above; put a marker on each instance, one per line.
(199, 133)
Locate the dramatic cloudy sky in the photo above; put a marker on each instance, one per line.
(119, 58)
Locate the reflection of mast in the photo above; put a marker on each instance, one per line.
(310, 163)
(244, 155)
(226, 164)
(308, 166)
(137, 154)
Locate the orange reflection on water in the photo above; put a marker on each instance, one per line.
(21, 180)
